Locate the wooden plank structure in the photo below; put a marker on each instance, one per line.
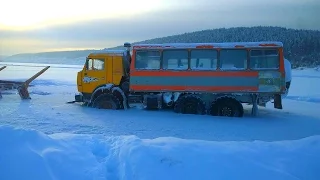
(22, 87)
(1, 68)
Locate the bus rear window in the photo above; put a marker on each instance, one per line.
(264, 59)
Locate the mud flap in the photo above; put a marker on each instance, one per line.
(254, 111)
(277, 101)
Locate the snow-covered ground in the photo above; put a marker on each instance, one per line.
(45, 138)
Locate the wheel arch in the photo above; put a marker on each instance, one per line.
(112, 89)
(119, 93)
(104, 88)
(222, 96)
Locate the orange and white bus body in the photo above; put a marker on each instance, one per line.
(248, 72)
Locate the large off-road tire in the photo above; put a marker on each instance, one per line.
(226, 107)
(167, 107)
(189, 104)
(107, 101)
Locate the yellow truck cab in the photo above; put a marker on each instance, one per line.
(101, 72)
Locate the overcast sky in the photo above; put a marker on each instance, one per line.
(38, 25)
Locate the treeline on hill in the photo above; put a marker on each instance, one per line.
(301, 47)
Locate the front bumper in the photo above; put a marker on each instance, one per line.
(78, 97)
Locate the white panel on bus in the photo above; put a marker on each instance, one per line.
(287, 67)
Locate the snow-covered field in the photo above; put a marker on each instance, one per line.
(45, 138)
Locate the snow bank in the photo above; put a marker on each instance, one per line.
(27, 154)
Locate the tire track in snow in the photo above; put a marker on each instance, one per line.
(304, 98)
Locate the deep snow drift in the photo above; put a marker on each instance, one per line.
(45, 138)
(32, 155)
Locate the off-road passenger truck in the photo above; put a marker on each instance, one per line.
(189, 78)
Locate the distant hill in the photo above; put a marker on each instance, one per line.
(2, 57)
(301, 47)
(55, 57)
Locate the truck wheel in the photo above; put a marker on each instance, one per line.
(226, 107)
(106, 101)
(189, 104)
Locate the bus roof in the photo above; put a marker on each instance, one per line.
(111, 52)
(210, 45)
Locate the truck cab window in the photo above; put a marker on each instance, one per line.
(95, 64)
(98, 64)
(89, 64)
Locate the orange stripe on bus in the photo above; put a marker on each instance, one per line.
(194, 73)
(191, 88)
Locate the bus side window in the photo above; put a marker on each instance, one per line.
(148, 59)
(233, 59)
(140, 62)
(175, 59)
(203, 59)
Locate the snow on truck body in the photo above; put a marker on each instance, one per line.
(202, 78)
